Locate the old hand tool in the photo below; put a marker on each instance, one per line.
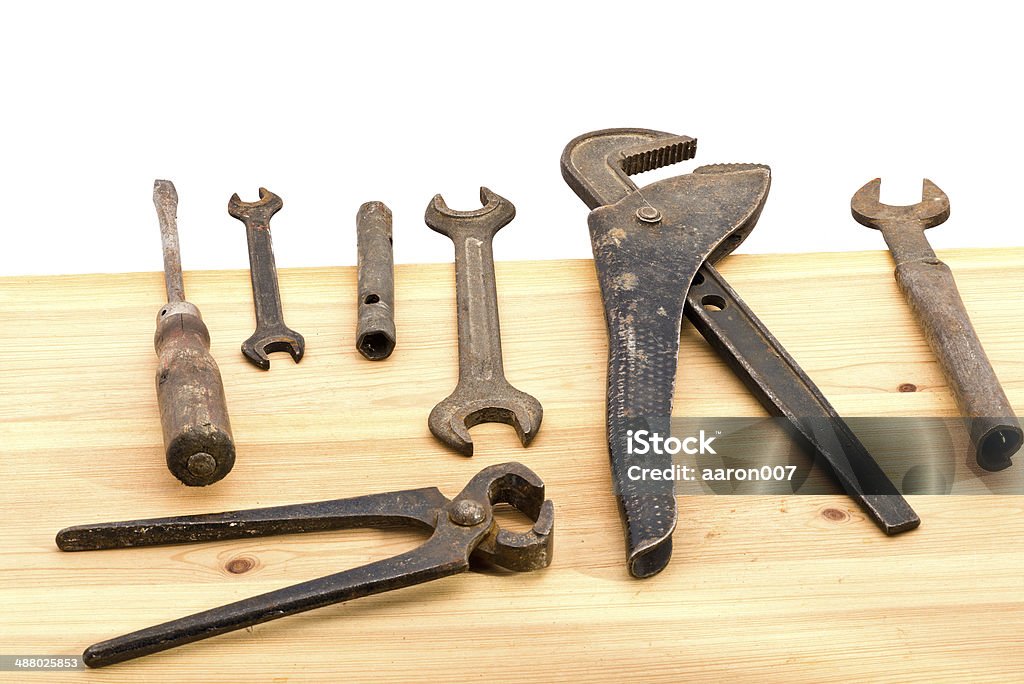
(193, 411)
(463, 529)
(375, 332)
(784, 389)
(482, 395)
(271, 334)
(928, 286)
(648, 245)
(596, 165)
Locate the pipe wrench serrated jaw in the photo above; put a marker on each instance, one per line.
(598, 165)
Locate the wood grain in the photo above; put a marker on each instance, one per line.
(760, 588)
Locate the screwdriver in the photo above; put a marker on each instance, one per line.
(189, 390)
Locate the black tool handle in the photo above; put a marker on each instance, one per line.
(193, 409)
(784, 389)
(413, 507)
(440, 556)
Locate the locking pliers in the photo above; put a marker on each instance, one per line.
(462, 528)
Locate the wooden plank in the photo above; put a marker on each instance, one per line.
(764, 588)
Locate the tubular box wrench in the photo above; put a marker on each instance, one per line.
(649, 245)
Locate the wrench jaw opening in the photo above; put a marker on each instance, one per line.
(495, 213)
(932, 210)
(258, 347)
(262, 210)
(452, 418)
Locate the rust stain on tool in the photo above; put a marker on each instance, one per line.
(930, 290)
(648, 246)
(784, 389)
(483, 395)
(198, 444)
(715, 207)
(463, 530)
(271, 335)
(375, 331)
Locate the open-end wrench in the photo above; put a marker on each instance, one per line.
(483, 395)
(722, 199)
(928, 286)
(271, 334)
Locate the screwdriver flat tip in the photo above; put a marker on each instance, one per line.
(165, 199)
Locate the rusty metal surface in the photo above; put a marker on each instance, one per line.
(784, 389)
(597, 166)
(375, 330)
(463, 530)
(198, 445)
(482, 395)
(648, 245)
(930, 290)
(271, 335)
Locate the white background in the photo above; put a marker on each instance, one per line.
(331, 105)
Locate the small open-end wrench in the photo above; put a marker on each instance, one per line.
(271, 335)
(928, 286)
(462, 530)
(483, 395)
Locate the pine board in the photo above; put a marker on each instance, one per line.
(761, 588)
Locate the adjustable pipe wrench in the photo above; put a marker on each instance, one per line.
(649, 245)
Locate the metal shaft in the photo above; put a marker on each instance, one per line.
(477, 300)
(165, 197)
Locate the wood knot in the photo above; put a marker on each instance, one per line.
(834, 515)
(241, 565)
(907, 387)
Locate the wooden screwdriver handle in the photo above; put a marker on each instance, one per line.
(193, 409)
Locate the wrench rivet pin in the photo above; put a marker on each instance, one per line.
(467, 513)
(648, 214)
(201, 464)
